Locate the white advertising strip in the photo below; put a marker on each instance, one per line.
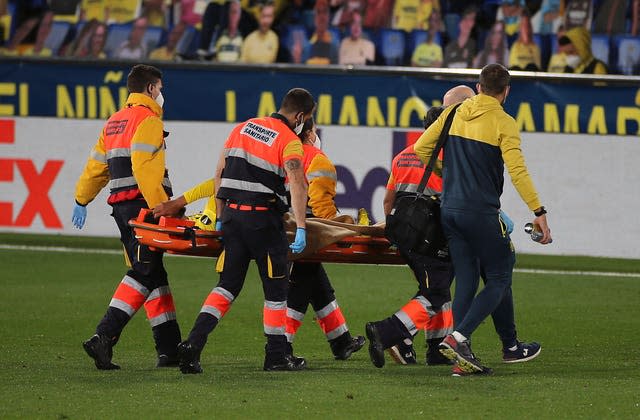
(589, 184)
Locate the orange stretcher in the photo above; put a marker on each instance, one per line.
(180, 236)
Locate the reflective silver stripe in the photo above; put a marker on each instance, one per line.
(119, 152)
(292, 313)
(159, 291)
(162, 318)
(428, 307)
(131, 282)
(128, 181)
(413, 188)
(100, 157)
(255, 161)
(290, 337)
(275, 305)
(438, 333)
(224, 293)
(337, 332)
(320, 174)
(446, 307)
(249, 186)
(274, 330)
(143, 147)
(322, 313)
(123, 306)
(166, 182)
(211, 310)
(408, 323)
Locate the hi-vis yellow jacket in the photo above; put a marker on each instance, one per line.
(482, 140)
(322, 179)
(129, 155)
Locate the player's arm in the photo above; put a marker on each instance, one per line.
(389, 195)
(148, 160)
(292, 156)
(175, 206)
(95, 175)
(322, 177)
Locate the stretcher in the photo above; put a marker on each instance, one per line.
(181, 236)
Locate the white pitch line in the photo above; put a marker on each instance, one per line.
(119, 252)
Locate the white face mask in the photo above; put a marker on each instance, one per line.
(160, 99)
(317, 143)
(298, 128)
(573, 60)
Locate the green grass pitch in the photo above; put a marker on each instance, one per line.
(51, 301)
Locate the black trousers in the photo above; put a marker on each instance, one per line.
(247, 235)
(309, 284)
(147, 269)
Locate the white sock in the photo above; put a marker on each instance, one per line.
(459, 337)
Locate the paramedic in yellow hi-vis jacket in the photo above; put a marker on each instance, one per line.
(483, 139)
(308, 282)
(130, 157)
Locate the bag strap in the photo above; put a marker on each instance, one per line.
(441, 141)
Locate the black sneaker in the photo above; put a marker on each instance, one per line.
(167, 361)
(100, 349)
(435, 358)
(188, 358)
(355, 344)
(287, 362)
(523, 353)
(403, 354)
(376, 350)
(460, 352)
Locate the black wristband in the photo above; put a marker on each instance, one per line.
(540, 212)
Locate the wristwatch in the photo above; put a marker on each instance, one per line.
(540, 211)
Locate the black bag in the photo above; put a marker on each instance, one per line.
(414, 223)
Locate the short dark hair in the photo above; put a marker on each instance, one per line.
(308, 126)
(298, 100)
(494, 79)
(432, 115)
(141, 76)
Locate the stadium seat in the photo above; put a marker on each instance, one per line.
(288, 36)
(626, 55)
(451, 21)
(544, 42)
(187, 44)
(417, 37)
(59, 31)
(391, 44)
(336, 35)
(152, 37)
(116, 35)
(600, 47)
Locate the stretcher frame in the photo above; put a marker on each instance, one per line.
(182, 237)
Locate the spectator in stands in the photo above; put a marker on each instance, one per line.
(548, 18)
(229, 45)
(576, 46)
(168, 52)
(558, 61)
(122, 11)
(38, 49)
(610, 17)
(629, 56)
(4, 21)
(97, 41)
(261, 45)
(134, 48)
(413, 14)
(525, 53)
(459, 52)
(495, 48)
(343, 16)
(94, 9)
(377, 14)
(355, 49)
(509, 13)
(155, 12)
(27, 16)
(577, 13)
(79, 47)
(429, 53)
(323, 48)
(188, 13)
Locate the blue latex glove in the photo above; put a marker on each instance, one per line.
(507, 221)
(79, 215)
(300, 242)
(219, 229)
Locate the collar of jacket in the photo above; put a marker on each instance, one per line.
(281, 118)
(140, 99)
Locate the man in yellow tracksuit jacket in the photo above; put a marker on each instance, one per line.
(130, 157)
(308, 282)
(483, 139)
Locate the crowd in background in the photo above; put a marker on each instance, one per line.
(577, 36)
